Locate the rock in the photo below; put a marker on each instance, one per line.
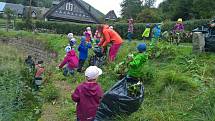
(198, 42)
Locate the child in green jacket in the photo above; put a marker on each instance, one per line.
(133, 64)
(146, 33)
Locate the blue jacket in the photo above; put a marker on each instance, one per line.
(83, 50)
(156, 31)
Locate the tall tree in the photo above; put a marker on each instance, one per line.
(149, 3)
(175, 9)
(130, 8)
(9, 13)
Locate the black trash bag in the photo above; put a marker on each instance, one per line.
(117, 101)
(210, 44)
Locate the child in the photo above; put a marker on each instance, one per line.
(39, 75)
(72, 40)
(156, 33)
(71, 62)
(99, 58)
(88, 95)
(30, 63)
(88, 34)
(146, 33)
(130, 29)
(83, 53)
(97, 37)
(179, 26)
(134, 63)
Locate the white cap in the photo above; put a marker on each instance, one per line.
(70, 36)
(68, 48)
(88, 28)
(93, 72)
(111, 27)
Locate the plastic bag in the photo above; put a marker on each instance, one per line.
(210, 44)
(118, 101)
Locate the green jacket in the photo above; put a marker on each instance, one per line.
(136, 65)
(146, 33)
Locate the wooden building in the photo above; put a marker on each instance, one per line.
(74, 11)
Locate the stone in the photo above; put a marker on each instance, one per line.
(198, 42)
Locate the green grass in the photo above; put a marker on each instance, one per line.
(179, 85)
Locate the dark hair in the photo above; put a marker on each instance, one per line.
(40, 62)
(29, 56)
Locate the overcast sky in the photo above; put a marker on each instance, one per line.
(106, 5)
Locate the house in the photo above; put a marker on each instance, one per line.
(2, 6)
(16, 8)
(111, 15)
(36, 12)
(74, 11)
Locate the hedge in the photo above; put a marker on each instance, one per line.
(121, 28)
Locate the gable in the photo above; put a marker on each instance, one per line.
(71, 10)
(111, 15)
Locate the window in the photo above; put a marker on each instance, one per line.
(69, 6)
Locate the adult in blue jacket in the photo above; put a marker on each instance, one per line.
(83, 52)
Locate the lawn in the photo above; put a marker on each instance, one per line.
(179, 85)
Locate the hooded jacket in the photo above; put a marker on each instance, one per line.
(83, 50)
(87, 95)
(71, 60)
(178, 27)
(109, 35)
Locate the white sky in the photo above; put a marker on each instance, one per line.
(106, 5)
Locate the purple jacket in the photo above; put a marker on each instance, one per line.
(87, 95)
(71, 60)
(178, 27)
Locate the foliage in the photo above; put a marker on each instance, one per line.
(121, 28)
(130, 8)
(17, 99)
(149, 3)
(188, 9)
(172, 91)
(50, 92)
(149, 15)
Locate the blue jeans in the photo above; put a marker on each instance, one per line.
(66, 70)
(130, 36)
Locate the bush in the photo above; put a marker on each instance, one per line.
(121, 28)
(50, 92)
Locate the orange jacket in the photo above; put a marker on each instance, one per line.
(109, 36)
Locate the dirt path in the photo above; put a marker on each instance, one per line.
(52, 111)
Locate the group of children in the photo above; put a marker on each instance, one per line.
(71, 60)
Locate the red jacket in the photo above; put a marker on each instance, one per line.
(71, 60)
(39, 71)
(87, 95)
(109, 35)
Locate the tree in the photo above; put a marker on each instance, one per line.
(8, 13)
(149, 15)
(149, 3)
(130, 8)
(175, 9)
(203, 9)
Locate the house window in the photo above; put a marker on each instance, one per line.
(69, 6)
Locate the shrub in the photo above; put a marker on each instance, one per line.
(50, 92)
(121, 28)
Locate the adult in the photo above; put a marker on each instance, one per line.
(110, 36)
(130, 28)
